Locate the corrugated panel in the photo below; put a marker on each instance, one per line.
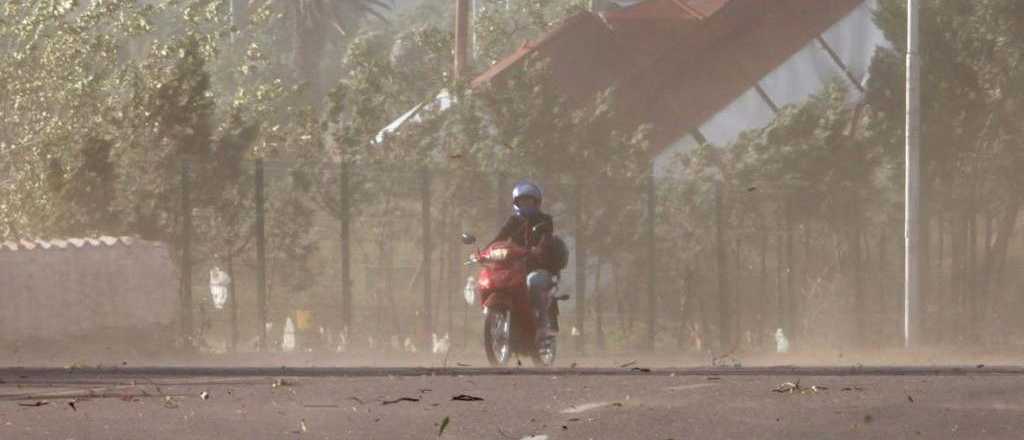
(681, 93)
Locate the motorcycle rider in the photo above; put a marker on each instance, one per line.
(520, 229)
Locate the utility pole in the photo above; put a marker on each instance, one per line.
(911, 292)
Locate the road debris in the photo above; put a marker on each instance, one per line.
(444, 425)
(981, 365)
(460, 364)
(170, 403)
(641, 370)
(35, 404)
(787, 387)
(910, 398)
(72, 405)
(791, 387)
(205, 395)
(852, 389)
(281, 382)
(302, 427)
(467, 398)
(714, 378)
(691, 386)
(628, 364)
(577, 409)
(400, 399)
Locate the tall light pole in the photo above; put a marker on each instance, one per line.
(912, 293)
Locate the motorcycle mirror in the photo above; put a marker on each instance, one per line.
(468, 239)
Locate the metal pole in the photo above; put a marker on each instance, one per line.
(186, 255)
(428, 308)
(232, 289)
(580, 267)
(652, 247)
(344, 209)
(911, 292)
(724, 314)
(261, 262)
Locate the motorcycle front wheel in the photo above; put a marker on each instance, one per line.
(498, 336)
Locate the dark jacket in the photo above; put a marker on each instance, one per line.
(519, 229)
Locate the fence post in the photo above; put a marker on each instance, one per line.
(232, 289)
(261, 261)
(724, 312)
(652, 260)
(789, 312)
(428, 308)
(186, 255)
(344, 210)
(580, 266)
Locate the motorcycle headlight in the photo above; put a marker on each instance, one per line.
(469, 293)
(497, 254)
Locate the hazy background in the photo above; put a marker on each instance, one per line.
(185, 126)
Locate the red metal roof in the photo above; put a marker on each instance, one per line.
(676, 63)
(667, 10)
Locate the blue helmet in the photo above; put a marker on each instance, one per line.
(526, 189)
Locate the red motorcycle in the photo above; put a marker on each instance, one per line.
(510, 323)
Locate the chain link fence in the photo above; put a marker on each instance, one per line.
(334, 258)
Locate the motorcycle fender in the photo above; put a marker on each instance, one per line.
(497, 298)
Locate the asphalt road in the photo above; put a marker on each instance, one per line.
(570, 403)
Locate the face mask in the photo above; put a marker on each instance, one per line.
(527, 212)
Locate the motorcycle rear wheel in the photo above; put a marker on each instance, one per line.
(498, 336)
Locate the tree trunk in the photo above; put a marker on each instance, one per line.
(599, 306)
(942, 289)
(232, 288)
(956, 276)
(620, 306)
(309, 42)
(860, 302)
(780, 274)
(725, 315)
(687, 302)
(1007, 224)
(972, 270)
(739, 323)
(240, 13)
(762, 291)
(881, 308)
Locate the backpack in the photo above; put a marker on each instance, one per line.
(556, 255)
